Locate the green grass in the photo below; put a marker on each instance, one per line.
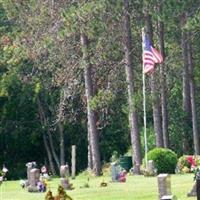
(136, 188)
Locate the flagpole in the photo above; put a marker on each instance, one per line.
(144, 104)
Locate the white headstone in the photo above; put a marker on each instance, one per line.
(64, 171)
(73, 161)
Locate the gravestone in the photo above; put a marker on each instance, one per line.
(114, 171)
(34, 176)
(73, 161)
(193, 192)
(64, 181)
(64, 171)
(151, 168)
(30, 166)
(164, 185)
(196, 187)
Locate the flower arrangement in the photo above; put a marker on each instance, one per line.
(31, 164)
(188, 163)
(3, 173)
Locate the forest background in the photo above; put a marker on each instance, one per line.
(71, 73)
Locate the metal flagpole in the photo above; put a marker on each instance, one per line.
(144, 103)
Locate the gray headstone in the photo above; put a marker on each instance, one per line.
(151, 167)
(114, 171)
(30, 166)
(28, 174)
(64, 171)
(34, 176)
(193, 192)
(164, 185)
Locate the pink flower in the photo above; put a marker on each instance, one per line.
(191, 161)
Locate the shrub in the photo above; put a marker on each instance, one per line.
(183, 164)
(188, 162)
(165, 160)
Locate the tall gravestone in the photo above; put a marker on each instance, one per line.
(73, 174)
(164, 185)
(151, 168)
(114, 171)
(64, 173)
(34, 176)
(193, 192)
(30, 166)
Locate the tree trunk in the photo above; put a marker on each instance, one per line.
(90, 164)
(135, 137)
(154, 91)
(52, 168)
(163, 85)
(53, 149)
(186, 89)
(90, 112)
(55, 156)
(193, 101)
(43, 122)
(62, 144)
(42, 112)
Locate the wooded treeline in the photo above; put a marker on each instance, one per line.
(71, 73)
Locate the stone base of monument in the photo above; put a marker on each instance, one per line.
(169, 197)
(193, 192)
(32, 189)
(64, 182)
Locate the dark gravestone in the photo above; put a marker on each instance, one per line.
(114, 171)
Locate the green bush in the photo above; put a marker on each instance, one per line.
(165, 160)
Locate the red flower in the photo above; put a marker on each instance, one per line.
(191, 160)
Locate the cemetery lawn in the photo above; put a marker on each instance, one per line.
(135, 188)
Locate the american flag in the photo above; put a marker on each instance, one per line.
(150, 55)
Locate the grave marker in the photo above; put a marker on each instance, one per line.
(73, 161)
(114, 171)
(64, 173)
(164, 185)
(34, 178)
(151, 168)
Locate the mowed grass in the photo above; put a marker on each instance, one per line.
(135, 188)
